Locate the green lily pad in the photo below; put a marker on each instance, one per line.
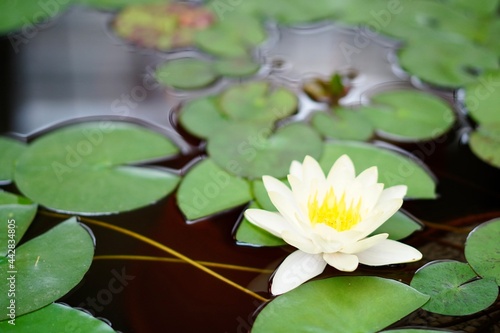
(335, 305)
(56, 318)
(393, 168)
(86, 168)
(454, 288)
(485, 143)
(236, 67)
(417, 330)
(186, 73)
(452, 63)
(201, 117)
(409, 115)
(257, 152)
(257, 101)
(399, 226)
(233, 36)
(248, 233)
(16, 215)
(485, 7)
(482, 250)
(10, 150)
(207, 189)
(482, 98)
(46, 267)
(345, 124)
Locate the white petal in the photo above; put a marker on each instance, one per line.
(368, 176)
(312, 170)
(274, 185)
(341, 174)
(389, 252)
(297, 240)
(300, 193)
(370, 196)
(341, 261)
(380, 214)
(296, 269)
(290, 211)
(393, 192)
(296, 169)
(364, 244)
(269, 221)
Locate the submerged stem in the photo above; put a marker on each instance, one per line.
(165, 249)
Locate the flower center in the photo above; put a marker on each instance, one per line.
(334, 212)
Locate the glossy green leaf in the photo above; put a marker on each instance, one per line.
(485, 143)
(236, 67)
(452, 62)
(482, 250)
(336, 305)
(249, 234)
(16, 215)
(477, 8)
(399, 226)
(393, 168)
(10, 150)
(257, 101)
(482, 98)
(56, 318)
(409, 115)
(207, 189)
(86, 168)
(46, 267)
(345, 124)
(201, 117)
(186, 73)
(417, 330)
(253, 151)
(454, 288)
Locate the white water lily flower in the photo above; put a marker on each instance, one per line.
(328, 219)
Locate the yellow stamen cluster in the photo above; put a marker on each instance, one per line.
(334, 213)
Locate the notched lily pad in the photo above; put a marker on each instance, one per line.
(484, 142)
(344, 124)
(186, 73)
(88, 168)
(482, 250)
(236, 67)
(454, 288)
(482, 98)
(10, 150)
(201, 117)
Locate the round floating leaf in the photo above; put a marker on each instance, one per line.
(452, 63)
(257, 101)
(254, 151)
(201, 117)
(335, 305)
(83, 168)
(207, 189)
(249, 234)
(10, 150)
(482, 250)
(236, 67)
(393, 168)
(417, 330)
(56, 318)
(409, 115)
(454, 288)
(485, 143)
(186, 73)
(399, 226)
(483, 8)
(46, 267)
(16, 215)
(482, 98)
(343, 124)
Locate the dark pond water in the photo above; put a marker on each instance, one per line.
(74, 68)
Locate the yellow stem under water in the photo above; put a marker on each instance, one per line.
(165, 249)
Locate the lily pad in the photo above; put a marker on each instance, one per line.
(257, 101)
(482, 98)
(452, 63)
(86, 168)
(117, 4)
(417, 330)
(454, 288)
(46, 267)
(344, 123)
(482, 250)
(186, 73)
(257, 152)
(485, 143)
(399, 226)
(409, 115)
(207, 189)
(236, 67)
(10, 150)
(393, 168)
(249, 234)
(16, 215)
(201, 117)
(335, 305)
(56, 318)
